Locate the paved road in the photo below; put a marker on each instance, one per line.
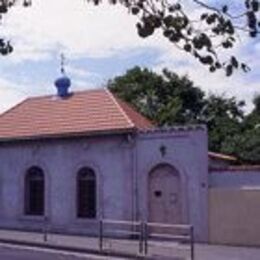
(9, 252)
(203, 252)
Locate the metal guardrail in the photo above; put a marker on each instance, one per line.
(114, 229)
(144, 232)
(171, 233)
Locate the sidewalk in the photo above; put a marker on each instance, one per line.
(125, 249)
(113, 247)
(217, 252)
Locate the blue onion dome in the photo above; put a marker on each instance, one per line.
(63, 83)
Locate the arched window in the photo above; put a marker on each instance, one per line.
(86, 197)
(34, 192)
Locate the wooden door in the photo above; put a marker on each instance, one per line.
(164, 195)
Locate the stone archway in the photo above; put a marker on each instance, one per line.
(164, 190)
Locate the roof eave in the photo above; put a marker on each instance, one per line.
(69, 135)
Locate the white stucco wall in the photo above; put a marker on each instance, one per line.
(186, 151)
(110, 157)
(122, 164)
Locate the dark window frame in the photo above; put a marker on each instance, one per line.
(86, 193)
(34, 192)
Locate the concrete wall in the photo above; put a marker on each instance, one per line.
(234, 207)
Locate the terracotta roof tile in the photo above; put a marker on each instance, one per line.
(83, 112)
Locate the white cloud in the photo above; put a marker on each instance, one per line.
(75, 26)
(81, 73)
(10, 94)
(80, 29)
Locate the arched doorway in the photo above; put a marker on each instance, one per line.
(164, 195)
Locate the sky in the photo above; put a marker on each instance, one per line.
(100, 43)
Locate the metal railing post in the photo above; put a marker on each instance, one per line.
(100, 234)
(45, 229)
(141, 237)
(192, 256)
(145, 234)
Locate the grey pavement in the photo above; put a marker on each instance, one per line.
(157, 250)
(13, 252)
(116, 247)
(203, 252)
(217, 252)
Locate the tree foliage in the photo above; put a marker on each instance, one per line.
(223, 117)
(168, 99)
(246, 144)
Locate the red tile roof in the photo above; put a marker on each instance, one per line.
(86, 112)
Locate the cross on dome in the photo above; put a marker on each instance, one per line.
(63, 83)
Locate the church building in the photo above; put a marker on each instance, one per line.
(74, 157)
